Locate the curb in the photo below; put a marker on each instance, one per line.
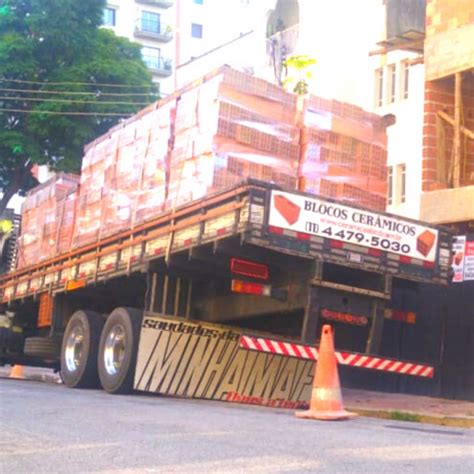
(50, 378)
(390, 414)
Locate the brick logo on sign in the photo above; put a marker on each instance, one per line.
(287, 209)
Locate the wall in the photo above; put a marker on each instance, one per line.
(449, 45)
(341, 46)
(439, 95)
(442, 336)
(246, 52)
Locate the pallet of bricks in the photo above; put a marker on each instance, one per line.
(344, 153)
(47, 220)
(204, 138)
(213, 134)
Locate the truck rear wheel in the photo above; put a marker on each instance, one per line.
(118, 350)
(79, 350)
(47, 348)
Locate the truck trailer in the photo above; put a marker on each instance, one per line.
(223, 298)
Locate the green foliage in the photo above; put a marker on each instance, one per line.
(299, 70)
(404, 416)
(61, 41)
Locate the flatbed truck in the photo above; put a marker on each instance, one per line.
(223, 298)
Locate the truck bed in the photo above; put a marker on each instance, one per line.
(242, 211)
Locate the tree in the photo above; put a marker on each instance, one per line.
(56, 61)
(299, 72)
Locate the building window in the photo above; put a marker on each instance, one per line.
(392, 83)
(390, 186)
(152, 57)
(151, 22)
(379, 87)
(196, 30)
(405, 79)
(402, 183)
(109, 17)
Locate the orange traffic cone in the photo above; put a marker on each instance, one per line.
(16, 372)
(326, 398)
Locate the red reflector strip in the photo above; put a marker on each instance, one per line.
(375, 252)
(248, 268)
(344, 358)
(303, 236)
(402, 316)
(249, 288)
(336, 244)
(275, 230)
(344, 317)
(405, 259)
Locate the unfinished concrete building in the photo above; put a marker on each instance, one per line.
(448, 131)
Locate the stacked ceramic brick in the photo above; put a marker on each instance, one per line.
(47, 220)
(123, 178)
(344, 153)
(230, 127)
(207, 137)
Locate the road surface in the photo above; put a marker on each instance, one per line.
(49, 428)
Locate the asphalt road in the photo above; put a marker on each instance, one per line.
(46, 427)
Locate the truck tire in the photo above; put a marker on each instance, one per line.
(118, 350)
(79, 350)
(48, 348)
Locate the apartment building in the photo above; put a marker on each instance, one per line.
(151, 23)
(398, 89)
(173, 32)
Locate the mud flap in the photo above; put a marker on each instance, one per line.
(201, 360)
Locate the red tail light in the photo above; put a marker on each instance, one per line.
(249, 288)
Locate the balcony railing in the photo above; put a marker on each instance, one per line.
(280, 46)
(160, 66)
(163, 34)
(157, 3)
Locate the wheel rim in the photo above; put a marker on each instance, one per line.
(74, 349)
(114, 349)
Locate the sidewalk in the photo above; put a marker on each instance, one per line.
(394, 406)
(417, 408)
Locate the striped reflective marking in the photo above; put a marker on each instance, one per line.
(344, 358)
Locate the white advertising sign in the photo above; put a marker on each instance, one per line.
(463, 259)
(469, 261)
(459, 248)
(357, 226)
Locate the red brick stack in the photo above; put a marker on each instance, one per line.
(230, 127)
(344, 153)
(204, 138)
(123, 178)
(47, 220)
